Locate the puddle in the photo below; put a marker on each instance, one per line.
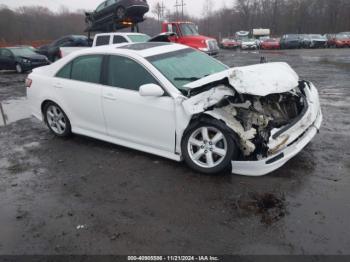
(269, 207)
(13, 110)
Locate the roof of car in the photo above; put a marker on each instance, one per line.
(120, 33)
(141, 49)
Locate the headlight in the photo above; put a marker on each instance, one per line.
(26, 61)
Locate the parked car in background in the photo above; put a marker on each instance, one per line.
(52, 51)
(340, 41)
(290, 41)
(21, 59)
(169, 100)
(230, 43)
(270, 44)
(109, 39)
(117, 10)
(314, 41)
(249, 44)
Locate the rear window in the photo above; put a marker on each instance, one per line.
(139, 38)
(87, 69)
(102, 40)
(84, 68)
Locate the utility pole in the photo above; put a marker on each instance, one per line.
(182, 4)
(162, 9)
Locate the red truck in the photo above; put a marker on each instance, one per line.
(187, 34)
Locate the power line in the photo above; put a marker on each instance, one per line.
(181, 4)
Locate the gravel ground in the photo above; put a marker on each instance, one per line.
(83, 196)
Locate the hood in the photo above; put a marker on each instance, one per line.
(259, 80)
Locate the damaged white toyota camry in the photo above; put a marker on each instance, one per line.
(176, 102)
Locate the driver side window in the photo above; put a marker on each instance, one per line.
(127, 74)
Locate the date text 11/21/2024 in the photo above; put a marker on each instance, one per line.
(173, 258)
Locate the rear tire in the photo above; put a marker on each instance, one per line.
(208, 146)
(56, 120)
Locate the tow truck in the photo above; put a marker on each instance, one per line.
(186, 33)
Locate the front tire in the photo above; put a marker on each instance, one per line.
(208, 147)
(19, 69)
(56, 120)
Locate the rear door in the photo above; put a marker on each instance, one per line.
(145, 121)
(79, 90)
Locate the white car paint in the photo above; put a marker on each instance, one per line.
(156, 124)
(260, 80)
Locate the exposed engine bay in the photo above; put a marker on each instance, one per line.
(266, 106)
(254, 118)
(258, 116)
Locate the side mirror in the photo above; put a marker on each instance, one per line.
(151, 90)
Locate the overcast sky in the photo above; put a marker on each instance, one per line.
(193, 7)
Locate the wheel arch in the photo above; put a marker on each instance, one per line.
(47, 101)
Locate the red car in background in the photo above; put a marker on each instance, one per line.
(339, 41)
(229, 43)
(270, 44)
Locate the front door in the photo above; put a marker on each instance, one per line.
(145, 121)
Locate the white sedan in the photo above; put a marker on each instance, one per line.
(179, 103)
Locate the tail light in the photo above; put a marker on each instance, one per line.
(60, 54)
(28, 82)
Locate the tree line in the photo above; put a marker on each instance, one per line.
(281, 16)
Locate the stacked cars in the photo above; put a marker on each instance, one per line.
(120, 11)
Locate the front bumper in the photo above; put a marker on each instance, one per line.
(300, 136)
(249, 47)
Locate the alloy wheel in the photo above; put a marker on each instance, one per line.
(207, 147)
(56, 119)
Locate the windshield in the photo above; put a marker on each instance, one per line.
(186, 66)
(188, 29)
(139, 38)
(22, 52)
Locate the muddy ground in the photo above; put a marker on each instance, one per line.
(82, 196)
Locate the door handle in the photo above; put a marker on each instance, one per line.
(109, 97)
(58, 85)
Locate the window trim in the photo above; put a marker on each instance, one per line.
(105, 73)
